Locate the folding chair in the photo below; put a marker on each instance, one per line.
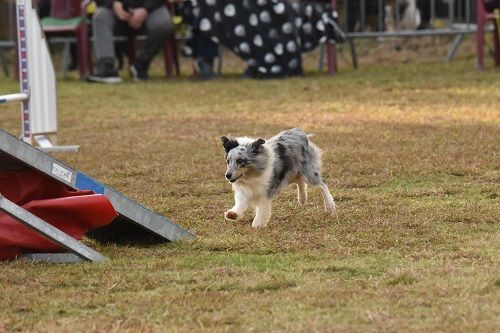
(69, 18)
(483, 16)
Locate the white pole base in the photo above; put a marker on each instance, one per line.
(47, 146)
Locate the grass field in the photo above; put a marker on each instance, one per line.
(411, 156)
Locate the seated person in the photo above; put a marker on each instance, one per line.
(120, 16)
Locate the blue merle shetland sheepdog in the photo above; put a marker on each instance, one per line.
(258, 170)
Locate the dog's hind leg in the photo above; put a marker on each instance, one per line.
(311, 174)
(328, 198)
(262, 214)
(301, 192)
(313, 178)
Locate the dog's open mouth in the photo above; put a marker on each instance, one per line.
(233, 180)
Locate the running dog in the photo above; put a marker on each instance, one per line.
(259, 170)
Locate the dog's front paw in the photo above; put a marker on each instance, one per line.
(330, 207)
(230, 215)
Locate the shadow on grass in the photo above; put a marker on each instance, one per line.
(123, 232)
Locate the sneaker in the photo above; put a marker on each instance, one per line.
(139, 71)
(106, 72)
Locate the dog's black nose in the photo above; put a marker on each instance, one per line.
(228, 175)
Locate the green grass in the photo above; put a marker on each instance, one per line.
(410, 153)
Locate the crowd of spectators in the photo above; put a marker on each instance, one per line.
(268, 35)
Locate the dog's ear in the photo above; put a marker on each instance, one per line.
(256, 146)
(229, 143)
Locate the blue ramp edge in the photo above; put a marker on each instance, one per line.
(84, 182)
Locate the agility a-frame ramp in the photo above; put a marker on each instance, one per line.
(39, 119)
(37, 81)
(130, 214)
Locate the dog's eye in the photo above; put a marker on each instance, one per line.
(240, 161)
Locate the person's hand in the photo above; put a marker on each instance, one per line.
(119, 11)
(138, 17)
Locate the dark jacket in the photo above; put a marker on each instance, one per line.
(150, 5)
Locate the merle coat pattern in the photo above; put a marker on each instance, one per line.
(259, 170)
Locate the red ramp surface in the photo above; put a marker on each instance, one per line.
(72, 211)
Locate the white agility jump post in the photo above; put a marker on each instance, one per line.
(37, 81)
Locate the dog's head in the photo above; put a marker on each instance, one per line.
(244, 156)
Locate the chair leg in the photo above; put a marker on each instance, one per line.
(88, 53)
(354, 56)
(496, 44)
(82, 46)
(5, 67)
(176, 57)
(170, 49)
(480, 35)
(65, 56)
(170, 54)
(130, 49)
(331, 52)
(81, 59)
(480, 45)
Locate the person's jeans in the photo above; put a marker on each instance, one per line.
(157, 27)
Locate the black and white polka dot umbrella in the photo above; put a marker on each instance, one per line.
(269, 35)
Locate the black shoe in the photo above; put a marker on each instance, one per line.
(106, 72)
(139, 71)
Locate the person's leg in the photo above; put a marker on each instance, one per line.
(103, 24)
(158, 25)
(206, 51)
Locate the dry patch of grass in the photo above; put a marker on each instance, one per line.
(411, 155)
